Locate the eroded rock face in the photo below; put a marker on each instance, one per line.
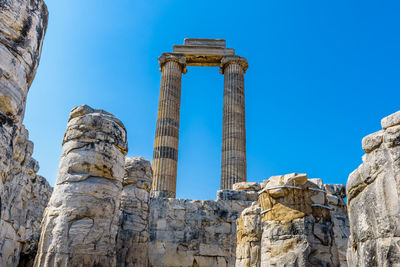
(295, 222)
(22, 27)
(133, 235)
(24, 195)
(81, 221)
(373, 198)
(248, 249)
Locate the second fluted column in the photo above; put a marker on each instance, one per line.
(233, 162)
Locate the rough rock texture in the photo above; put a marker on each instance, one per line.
(23, 194)
(22, 27)
(133, 236)
(295, 222)
(373, 199)
(248, 249)
(81, 221)
(194, 233)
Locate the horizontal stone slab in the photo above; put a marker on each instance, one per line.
(203, 50)
(197, 55)
(205, 42)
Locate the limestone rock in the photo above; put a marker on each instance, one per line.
(24, 196)
(247, 186)
(138, 172)
(391, 120)
(248, 248)
(373, 199)
(187, 232)
(295, 179)
(133, 235)
(301, 223)
(22, 27)
(23, 193)
(372, 141)
(81, 221)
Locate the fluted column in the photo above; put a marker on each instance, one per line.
(233, 163)
(165, 155)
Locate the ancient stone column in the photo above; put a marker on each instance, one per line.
(165, 156)
(233, 163)
(80, 224)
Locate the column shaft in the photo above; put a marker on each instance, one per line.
(233, 163)
(165, 155)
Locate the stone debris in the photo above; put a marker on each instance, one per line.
(81, 221)
(294, 222)
(373, 199)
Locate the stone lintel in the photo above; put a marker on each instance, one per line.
(202, 50)
(205, 42)
(208, 56)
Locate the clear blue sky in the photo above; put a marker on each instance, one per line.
(322, 74)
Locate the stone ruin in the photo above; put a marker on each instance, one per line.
(208, 53)
(107, 209)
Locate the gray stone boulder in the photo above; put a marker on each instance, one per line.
(373, 199)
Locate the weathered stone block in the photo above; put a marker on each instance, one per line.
(247, 186)
(391, 120)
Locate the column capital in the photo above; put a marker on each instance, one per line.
(165, 57)
(233, 60)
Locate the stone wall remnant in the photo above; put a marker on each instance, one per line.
(186, 232)
(295, 222)
(133, 235)
(373, 198)
(81, 221)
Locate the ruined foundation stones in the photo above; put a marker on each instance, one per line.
(373, 199)
(295, 222)
(23, 193)
(81, 221)
(186, 232)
